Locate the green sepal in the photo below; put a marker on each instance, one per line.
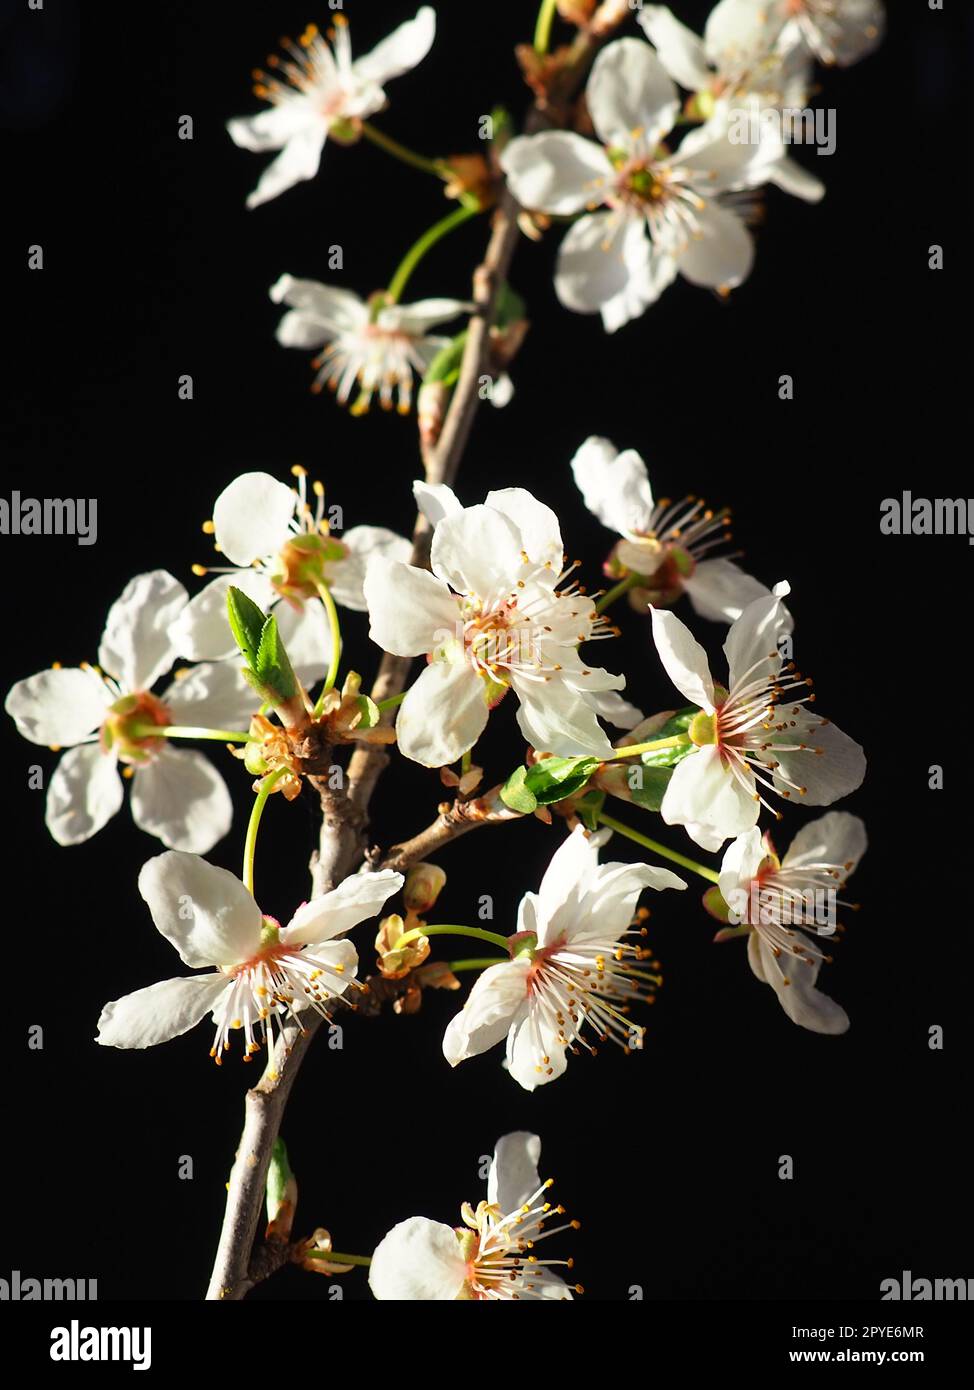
(678, 723)
(589, 808)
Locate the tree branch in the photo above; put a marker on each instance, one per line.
(449, 825)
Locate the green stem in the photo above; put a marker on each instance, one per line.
(465, 762)
(324, 593)
(250, 844)
(477, 963)
(478, 933)
(657, 848)
(542, 30)
(392, 701)
(677, 741)
(419, 248)
(338, 1258)
(402, 152)
(617, 590)
(187, 731)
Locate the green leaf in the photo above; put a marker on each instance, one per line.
(279, 1174)
(272, 666)
(515, 794)
(668, 757)
(654, 781)
(371, 714)
(247, 623)
(590, 808)
(445, 366)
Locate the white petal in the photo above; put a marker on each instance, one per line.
(609, 705)
(299, 160)
(754, 637)
(702, 791)
(513, 1174)
(477, 551)
(418, 1260)
(57, 708)
(136, 646)
(792, 177)
(356, 899)
(556, 172)
(299, 329)
(629, 90)
(408, 607)
(607, 903)
(720, 256)
(572, 865)
(202, 631)
(537, 524)
(83, 794)
(444, 713)
(680, 50)
(160, 1012)
(252, 517)
(835, 838)
(720, 590)
(402, 50)
(738, 29)
(826, 776)
(436, 500)
(554, 718)
(338, 311)
(615, 486)
(304, 629)
(212, 696)
(801, 1001)
(683, 658)
(606, 265)
(270, 129)
(534, 1054)
(417, 319)
(181, 799)
(205, 912)
(347, 576)
(740, 864)
(497, 999)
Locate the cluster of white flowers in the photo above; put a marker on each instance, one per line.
(497, 609)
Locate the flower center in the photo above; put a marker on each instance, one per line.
(127, 728)
(303, 564)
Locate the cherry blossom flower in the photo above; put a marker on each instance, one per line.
(284, 550)
(493, 1255)
(317, 90)
(668, 543)
(753, 738)
(834, 31)
(260, 973)
(371, 346)
(101, 715)
(649, 214)
(491, 617)
(771, 896)
(573, 967)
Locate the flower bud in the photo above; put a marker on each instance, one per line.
(395, 962)
(424, 884)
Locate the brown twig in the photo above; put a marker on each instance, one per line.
(449, 825)
(342, 841)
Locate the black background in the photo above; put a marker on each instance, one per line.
(154, 268)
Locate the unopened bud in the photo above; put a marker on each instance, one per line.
(424, 884)
(316, 1253)
(396, 962)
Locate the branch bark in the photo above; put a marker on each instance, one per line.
(342, 841)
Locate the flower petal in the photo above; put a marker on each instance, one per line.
(793, 981)
(443, 714)
(513, 1174)
(683, 658)
(356, 899)
(557, 172)
(497, 999)
(720, 590)
(57, 708)
(537, 524)
(136, 646)
(83, 794)
(409, 608)
(204, 912)
(477, 551)
(159, 1012)
(739, 867)
(835, 838)
(555, 718)
(703, 791)
(679, 49)
(213, 696)
(338, 311)
(181, 799)
(720, 256)
(753, 638)
(607, 265)
(436, 500)
(299, 160)
(418, 1260)
(417, 319)
(615, 486)
(252, 517)
(535, 1055)
(826, 776)
(271, 128)
(347, 576)
(402, 50)
(630, 90)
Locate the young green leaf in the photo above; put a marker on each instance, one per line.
(272, 667)
(246, 622)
